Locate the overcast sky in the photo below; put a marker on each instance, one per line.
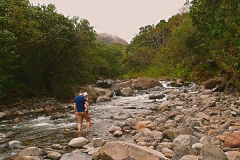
(117, 17)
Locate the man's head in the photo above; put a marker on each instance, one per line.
(81, 92)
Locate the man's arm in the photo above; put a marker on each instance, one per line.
(75, 108)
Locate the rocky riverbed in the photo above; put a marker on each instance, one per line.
(179, 121)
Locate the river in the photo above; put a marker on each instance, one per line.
(40, 131)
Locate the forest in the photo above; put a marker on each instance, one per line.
(43, 52)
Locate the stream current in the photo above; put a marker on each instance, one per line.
(39, 130)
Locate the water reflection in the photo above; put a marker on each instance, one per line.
(83, 134)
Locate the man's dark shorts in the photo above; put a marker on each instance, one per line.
(84, 115)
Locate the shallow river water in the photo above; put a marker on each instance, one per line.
(40, 131)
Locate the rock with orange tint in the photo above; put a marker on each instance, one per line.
(144, 124)
(233, 140)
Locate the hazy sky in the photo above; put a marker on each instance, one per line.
(117, 17)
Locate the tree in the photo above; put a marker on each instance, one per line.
(41, 49)
(218, 29)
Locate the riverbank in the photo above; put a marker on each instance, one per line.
(184, 121)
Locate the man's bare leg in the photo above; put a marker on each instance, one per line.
(79, 127)
(80, 120)
(88, 126)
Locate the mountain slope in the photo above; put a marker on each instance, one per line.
(110, 39)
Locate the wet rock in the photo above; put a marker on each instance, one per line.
(98, 142)
(174, 132)
(212, 152)
(162, 145)
(123, 150)
(57, 146)
(14, 144)
(190, 157)
(170, 124)
(144, 124)
(3, 146)
(103, 98)
(60, 136)
(157, 96)
(173, 114)
(117, 133)
(176, 84)
(234, 128)
(197, 147)
(32, 151)
(48, 109)
(131, 122)
(93, 152)
(3, 115)
(187, 140)
(144, 137)
(27, 158)
(78, 142)
(154, 107)
(54, 155)
(226, 125)
(18, 120)
(10, 134)
(164, 105)
(211, 83)
(233, 155)
(180, 151)
(118, 86)
(162, 119)
(202, 115)
(121, 116)
(76, 155)
(114, 128)
(57, 116)
(127, 91)
(147, 83)
(104, 83)
(167, 152)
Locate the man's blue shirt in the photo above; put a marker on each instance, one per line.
(80, 101)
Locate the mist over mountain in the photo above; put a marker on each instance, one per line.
(110, 39)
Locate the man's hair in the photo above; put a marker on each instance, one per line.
(82, 91)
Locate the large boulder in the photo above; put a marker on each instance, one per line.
(92, 93)
(175, 132)
(103, 98)
(117, 87)
(212, 152)
(123, 150)
(127, 91)
(32, 151)
(212, 83)
(187, 140)
(105, 83)
(78, 142)
(147, 83)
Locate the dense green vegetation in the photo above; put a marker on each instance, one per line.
(195, 45)
(44, 52)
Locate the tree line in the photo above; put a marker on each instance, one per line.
(199, 42)
(44, 52)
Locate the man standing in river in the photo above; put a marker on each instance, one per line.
(81, 110)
